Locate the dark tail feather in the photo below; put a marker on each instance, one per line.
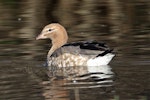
(105, 52)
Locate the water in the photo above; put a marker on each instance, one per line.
(123, 25)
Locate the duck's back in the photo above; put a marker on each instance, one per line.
(78, 53)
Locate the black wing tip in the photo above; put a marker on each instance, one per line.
(105, 52)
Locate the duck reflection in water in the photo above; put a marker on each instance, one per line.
(75, 78)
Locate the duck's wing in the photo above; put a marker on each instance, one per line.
(89, 48)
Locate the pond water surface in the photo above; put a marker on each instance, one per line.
(124, 26)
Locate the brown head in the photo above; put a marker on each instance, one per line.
(57, 33)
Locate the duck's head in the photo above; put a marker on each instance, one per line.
(56, 32)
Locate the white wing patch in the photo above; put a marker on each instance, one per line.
(104, 60)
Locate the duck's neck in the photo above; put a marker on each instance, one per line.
(50, 52)
(55, 46)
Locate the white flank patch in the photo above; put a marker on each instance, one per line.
(101, 60)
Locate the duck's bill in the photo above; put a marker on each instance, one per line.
(40, 36)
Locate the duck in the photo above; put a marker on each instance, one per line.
(80, 53)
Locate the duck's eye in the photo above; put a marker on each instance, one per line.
(49, 30)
